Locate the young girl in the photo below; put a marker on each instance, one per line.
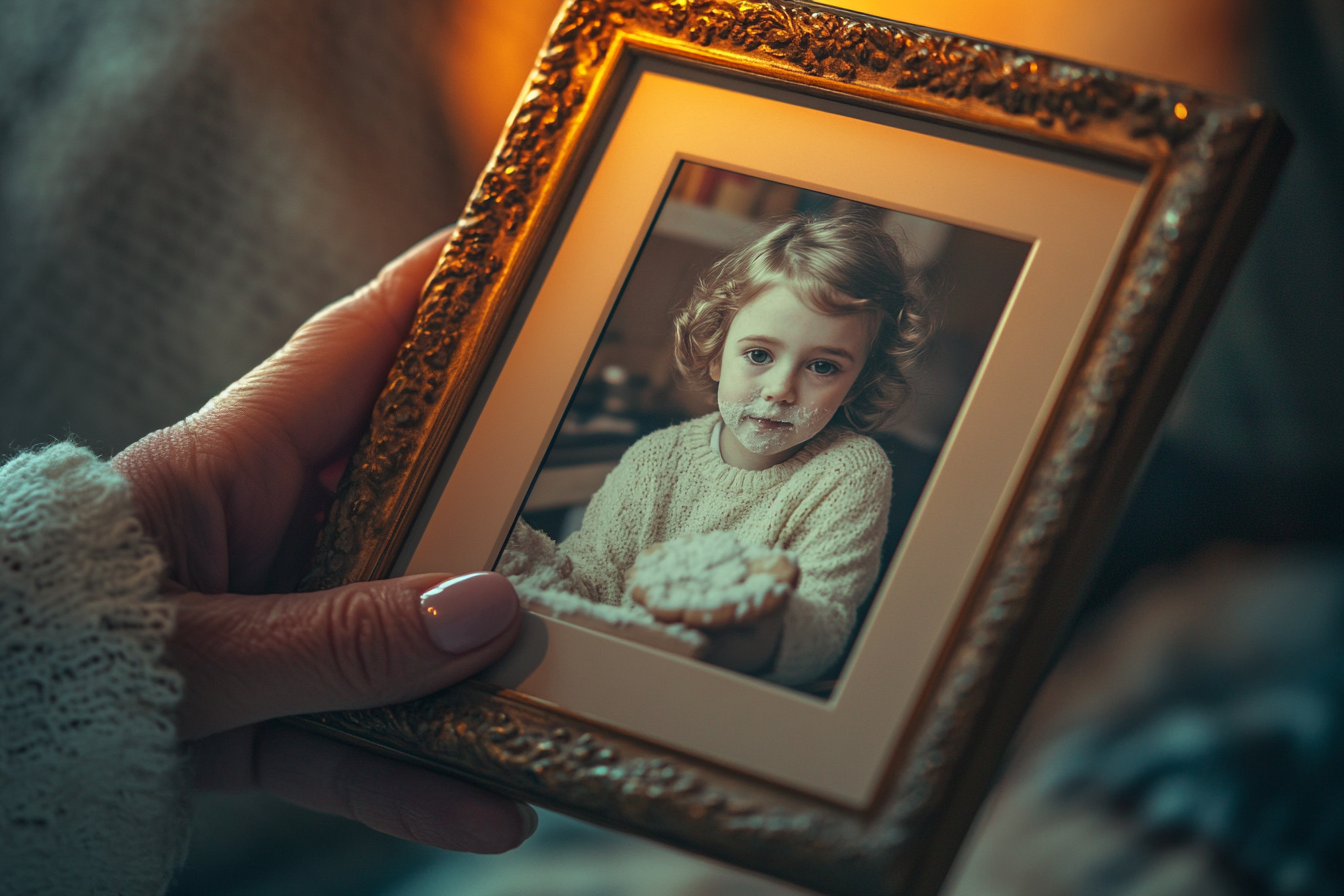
(804, 335)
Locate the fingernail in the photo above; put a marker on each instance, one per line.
(463, 613)
(530, 819)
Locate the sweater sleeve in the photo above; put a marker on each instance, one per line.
(837, 533)
(616, 524)
(94, 793)
(591, 562)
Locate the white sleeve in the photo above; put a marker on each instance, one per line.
(93, 787)
(605, 547)
(839, 547)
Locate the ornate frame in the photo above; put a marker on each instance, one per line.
(1211, 162)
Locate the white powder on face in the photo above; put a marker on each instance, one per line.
(803, 423)
(707, 572)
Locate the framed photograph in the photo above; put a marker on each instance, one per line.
(794, 366)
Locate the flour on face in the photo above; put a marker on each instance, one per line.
(764, 427)
(785, 369)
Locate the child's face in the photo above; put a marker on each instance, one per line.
(786, 369)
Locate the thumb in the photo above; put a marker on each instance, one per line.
(316, 392)
(245, 658)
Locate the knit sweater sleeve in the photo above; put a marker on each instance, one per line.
(617, 522)
(591, 562)
(93, 790)
(837, 531)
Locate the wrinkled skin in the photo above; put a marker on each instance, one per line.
(233, 496)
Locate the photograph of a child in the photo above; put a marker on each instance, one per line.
(756, 423)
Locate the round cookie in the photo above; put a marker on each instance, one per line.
(711, 580)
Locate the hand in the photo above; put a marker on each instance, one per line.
(748, 648)
(234, 496)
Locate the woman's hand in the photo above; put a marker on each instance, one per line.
(234, 496)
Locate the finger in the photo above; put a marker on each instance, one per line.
(316, 393)
(246, 658)
(253, 452)
(384, 794)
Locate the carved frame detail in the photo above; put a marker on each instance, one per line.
(1209, 161)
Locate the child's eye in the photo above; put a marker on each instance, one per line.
(758, 356)
(825, 368)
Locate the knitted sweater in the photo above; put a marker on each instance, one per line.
(91, 784)
(828, 503)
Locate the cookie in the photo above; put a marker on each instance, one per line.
(711, 580)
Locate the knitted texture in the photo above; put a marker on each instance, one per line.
(92, 783)
(828, 504)
(184, 182)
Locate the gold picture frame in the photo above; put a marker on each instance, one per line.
(1136, 198)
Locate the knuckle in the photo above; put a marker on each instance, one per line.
(362, 635)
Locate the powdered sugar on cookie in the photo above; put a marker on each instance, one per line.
(711, 579)
(631, 622)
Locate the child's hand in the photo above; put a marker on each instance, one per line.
(712, 581)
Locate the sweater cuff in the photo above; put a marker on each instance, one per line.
(92, 779)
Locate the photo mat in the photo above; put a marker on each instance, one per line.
(630, 390)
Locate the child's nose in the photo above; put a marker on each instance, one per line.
(779, 387)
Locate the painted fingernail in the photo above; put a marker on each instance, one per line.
(530, 819)
(463, 613)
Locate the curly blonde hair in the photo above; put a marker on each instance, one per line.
(846, 264)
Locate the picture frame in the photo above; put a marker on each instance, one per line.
(1118, 206)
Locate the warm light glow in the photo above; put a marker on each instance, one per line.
(1196, 41)
(431, 611)
(1181, 111)
(486, 51)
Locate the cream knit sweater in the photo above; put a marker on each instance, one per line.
(828, 503)
(92, 788)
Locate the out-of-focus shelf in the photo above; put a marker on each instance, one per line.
(566, 486)
(704, 226)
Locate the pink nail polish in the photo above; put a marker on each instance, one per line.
(463, 613)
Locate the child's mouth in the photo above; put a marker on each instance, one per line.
(770, 423)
